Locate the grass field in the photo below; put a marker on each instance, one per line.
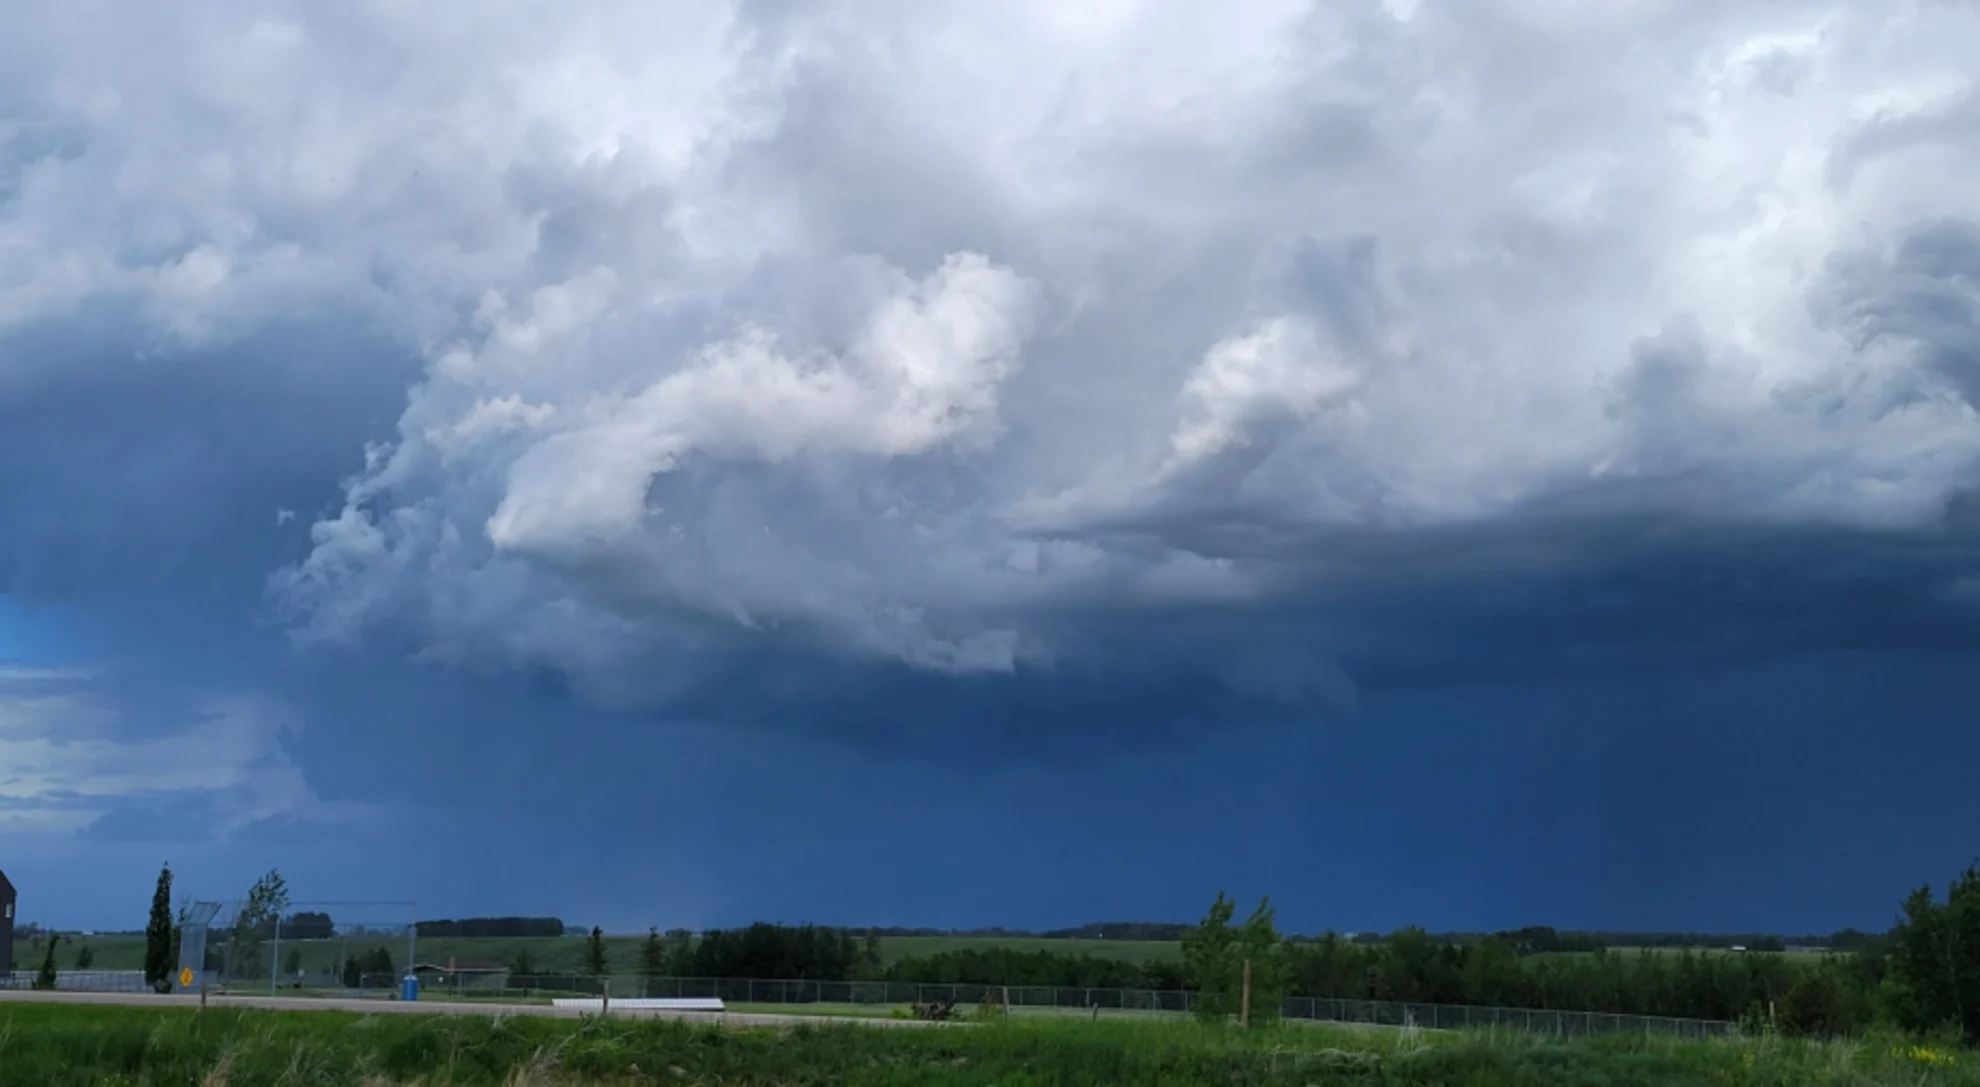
(565, 954)
(44, 1045)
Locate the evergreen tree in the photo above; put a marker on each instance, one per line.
(871, 963)
(158, 935)
(595, 962)
(653, 955)
(85, 957)
(45, 979)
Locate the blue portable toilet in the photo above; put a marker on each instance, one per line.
(409, 987)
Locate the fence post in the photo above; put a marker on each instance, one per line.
(1244, 998)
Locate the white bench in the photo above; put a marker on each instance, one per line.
(645, 1004)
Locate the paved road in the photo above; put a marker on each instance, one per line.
(432, 1007)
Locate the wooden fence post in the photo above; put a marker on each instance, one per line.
(1244, 999)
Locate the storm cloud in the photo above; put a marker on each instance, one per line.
(1028, 380)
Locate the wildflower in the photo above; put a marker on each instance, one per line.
(1927, 1055)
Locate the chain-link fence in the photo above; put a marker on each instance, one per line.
(476, 982)
(316, 946)
(1021, 998)
(85, 981)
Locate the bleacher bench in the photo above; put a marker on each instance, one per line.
(658, 1004)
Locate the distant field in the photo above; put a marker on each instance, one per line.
(565, 954)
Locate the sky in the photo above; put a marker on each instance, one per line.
(1471, 464)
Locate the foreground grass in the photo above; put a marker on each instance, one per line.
(71, 1046)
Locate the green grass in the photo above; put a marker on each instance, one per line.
(565, 954)
(73, 1046)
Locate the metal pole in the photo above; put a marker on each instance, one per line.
(275, 957)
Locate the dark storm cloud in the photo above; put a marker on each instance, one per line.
(1042, 383)
(154, 478)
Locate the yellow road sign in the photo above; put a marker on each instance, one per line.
(185, 977)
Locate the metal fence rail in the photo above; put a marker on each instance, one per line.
(1376, 1012)
(889, 993)
(87, 981)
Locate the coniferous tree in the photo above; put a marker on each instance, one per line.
(653, 955)
(158, 934)
(45, 979)
(595, 962)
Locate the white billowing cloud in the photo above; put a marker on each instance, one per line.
(849, 323)
(69, 755)
(1279, 369)
(925, 372)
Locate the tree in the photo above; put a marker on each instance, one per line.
(158, 933)
(45, 979)
(1935, 958)
(595, 962)
(292, 962)
(375, 963)
(309, 925)
(1816, 1005)
(680, 952)
(653, 955)
(871, 963)
(1260, 945)
(1210, 950)
(85, 957)
(257, 920)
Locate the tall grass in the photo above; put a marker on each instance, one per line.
(73, 1046)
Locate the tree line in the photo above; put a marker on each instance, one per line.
(1924, 974)
(479, 927)
(801, 952)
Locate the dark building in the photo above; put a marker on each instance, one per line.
(6, 925)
